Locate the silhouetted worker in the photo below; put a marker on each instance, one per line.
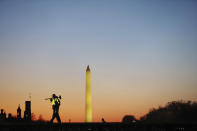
(55, 106)
(103, 120)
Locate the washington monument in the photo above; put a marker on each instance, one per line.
(88, 106)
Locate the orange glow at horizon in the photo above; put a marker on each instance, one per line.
(111, 104)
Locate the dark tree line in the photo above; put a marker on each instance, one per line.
(173, 112)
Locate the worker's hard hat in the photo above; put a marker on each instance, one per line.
(53, 95)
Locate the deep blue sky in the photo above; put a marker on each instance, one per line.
(142, 47)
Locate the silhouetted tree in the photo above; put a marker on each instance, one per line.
(128, 119)
(173, 112)
(40, 119)
(33, 117)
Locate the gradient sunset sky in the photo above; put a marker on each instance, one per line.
(142, 54)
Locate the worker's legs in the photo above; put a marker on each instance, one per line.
(57, 114)
(54, 115)
(58, 118)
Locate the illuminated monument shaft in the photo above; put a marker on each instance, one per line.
(88, 106)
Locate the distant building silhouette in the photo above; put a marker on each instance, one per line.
(27, 112)
(18, 113)
(10, 117)
(2, 115)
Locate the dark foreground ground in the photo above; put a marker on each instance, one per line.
(95, 127)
